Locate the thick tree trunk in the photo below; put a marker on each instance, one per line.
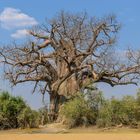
(55, 102)
(52, 107)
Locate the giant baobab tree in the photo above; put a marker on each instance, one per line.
(68, 53)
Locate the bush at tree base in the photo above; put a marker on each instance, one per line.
(77, 112)
(100, 111)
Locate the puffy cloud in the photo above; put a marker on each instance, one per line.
(20, 34)
(11, 18)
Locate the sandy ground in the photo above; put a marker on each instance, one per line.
(58, 132)
(70, 137)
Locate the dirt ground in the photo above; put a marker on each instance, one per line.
(100, 136)
(59, 132)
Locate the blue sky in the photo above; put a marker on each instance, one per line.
(17, 15)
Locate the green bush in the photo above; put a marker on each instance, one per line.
(10, 108)
(43, 115)
(4, 123)
(118, 111)
(138, 107)
(95, 100)
(28, 118)
(77, 112)
(15, 113)
(129, 107)
(104, 118)
(92, 108)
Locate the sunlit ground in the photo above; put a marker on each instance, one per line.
(54, 132)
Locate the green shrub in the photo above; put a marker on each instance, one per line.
(15, 113)
(10, 108)
(138, 106)
(129, 107)
(118, 111)
(4, 123)
(77, 112)
(28, 118)
(43, 115)
(104, 118)
(138, 125)
(95, 100)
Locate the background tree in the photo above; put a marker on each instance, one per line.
(43, 115)
(15, 113)
(28, 118)
(68, 53)
(10, 107)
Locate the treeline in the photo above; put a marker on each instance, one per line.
(90, 108)
(93, 109)
(15, 113)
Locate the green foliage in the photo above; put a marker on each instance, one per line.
(10, 108)
(129, 106)
(94, 99)
(138, 97)
(118, 111)
(15, 113)
(104, 118)
(90, 108)
(77, 112)
(93, 108)
(43, 115)
(138, 107)
(28, 118)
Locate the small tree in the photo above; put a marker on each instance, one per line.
(94, 98)
(10, 108)
(15, 113)
(105, 114)
(43, 115)
(28, 118)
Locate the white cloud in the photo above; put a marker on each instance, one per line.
(11, 18)
(20, 34)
